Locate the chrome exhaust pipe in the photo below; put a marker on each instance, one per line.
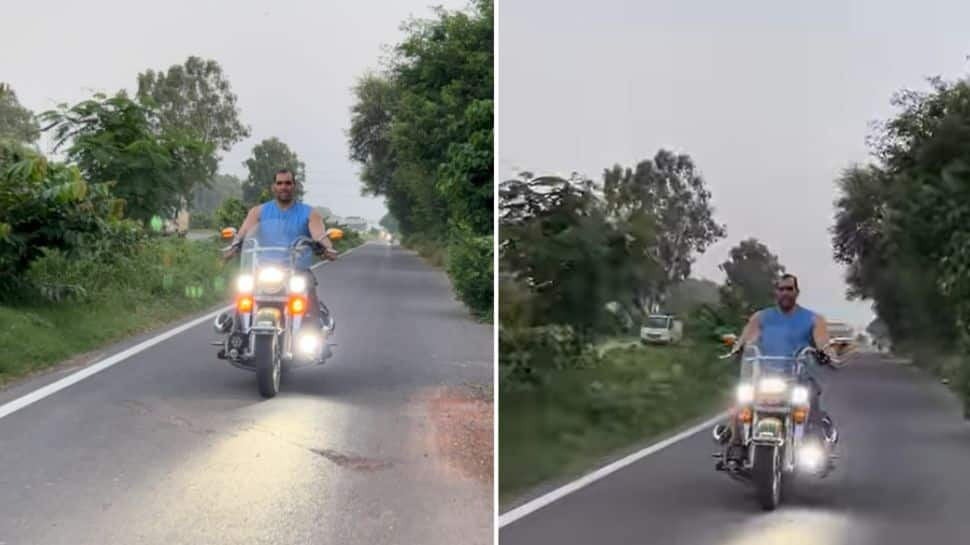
(222, 323)
(721, 434)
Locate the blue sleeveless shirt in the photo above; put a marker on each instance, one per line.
(783, 335)
(282, 227)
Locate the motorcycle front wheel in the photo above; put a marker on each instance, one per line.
(266, 357)
(767, 475)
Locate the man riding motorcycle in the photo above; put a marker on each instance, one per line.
(782, 331)
(283, 221)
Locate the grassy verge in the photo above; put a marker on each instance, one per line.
(433, 252)
(168, 280)
(468, 262)
(35, 337)
(578, 417)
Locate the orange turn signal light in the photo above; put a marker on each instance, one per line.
(745, 415)
(244, 303)
(799, 415)
(297, 305)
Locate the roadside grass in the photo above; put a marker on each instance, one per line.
(579, 418)
(432, 252)
(166, 281)
(468, 263)
(35, 337)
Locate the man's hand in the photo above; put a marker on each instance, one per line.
(233, 250)
(824, 358)
(324, 249)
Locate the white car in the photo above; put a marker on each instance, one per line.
(661, 329)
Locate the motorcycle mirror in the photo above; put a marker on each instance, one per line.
(229, 232)
(842, 345)
(335, 234)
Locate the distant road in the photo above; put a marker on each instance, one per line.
(389, 443)
(904, 478)
(200, 235)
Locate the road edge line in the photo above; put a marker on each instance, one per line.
(542, 501)
(45, 391)
(48, 390)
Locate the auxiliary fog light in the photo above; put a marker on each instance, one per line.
(308, 343)
(810, 457)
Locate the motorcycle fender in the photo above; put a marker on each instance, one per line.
(267, 320)
(769, 429)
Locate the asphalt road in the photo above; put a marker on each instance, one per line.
(904, 478)
(175, 446)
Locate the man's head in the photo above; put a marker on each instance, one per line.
(284, 186)
(786, 291)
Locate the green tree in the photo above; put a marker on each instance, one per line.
(196, 97)
(16, 122)
(120, 140)
(667, 204)
(207, 198)
(268, 157)
(423, 129)
(556, 238)
(902, 224)
(685, 297)
(369, 135)
(390, 223)
(752, 271)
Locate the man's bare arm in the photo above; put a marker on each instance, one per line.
(820, 334)
(318, 230)
(751, 330)
(250, 223)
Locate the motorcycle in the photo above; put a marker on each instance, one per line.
(268, 330)
(779, 436)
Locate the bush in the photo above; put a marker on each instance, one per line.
(48, 206)
(351, 238)
(231, 213)
(529, 356)
(427, 247)
(170, 267)
(202, 220)
(470, 266)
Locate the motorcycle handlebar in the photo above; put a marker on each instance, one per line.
(832, 362)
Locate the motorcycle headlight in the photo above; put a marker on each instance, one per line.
(799, 395)
(771, 385)
(244, 283)
(270, 279)
(297, 284)
(745, 393)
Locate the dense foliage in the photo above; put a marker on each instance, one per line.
(268, 157)
(155, 169)
(902, 225)
(751, 273)
(16, 122)
(422, 131)
(196, 97)
(49, 206)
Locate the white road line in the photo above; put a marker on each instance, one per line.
(33, 397)
(530, 507)
(54, 387)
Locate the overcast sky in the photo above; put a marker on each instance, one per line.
(292, 64)
(771, 99)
